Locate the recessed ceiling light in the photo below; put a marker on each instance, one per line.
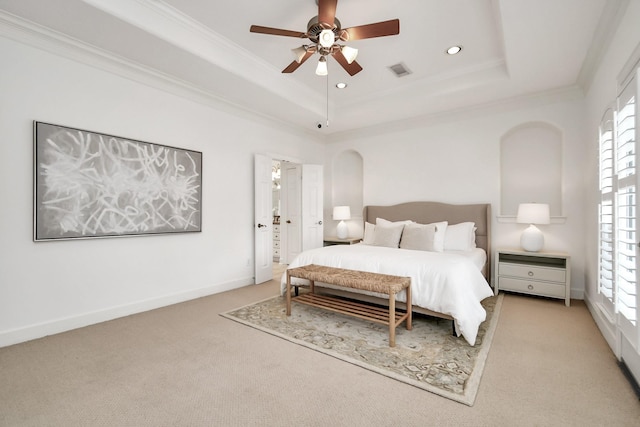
(454, 49)
(341, 85)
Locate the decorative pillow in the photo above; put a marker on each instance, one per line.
(387, 235)
(419, 237)
(460, 237)
(369, 230)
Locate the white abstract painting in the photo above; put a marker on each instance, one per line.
(89, 184)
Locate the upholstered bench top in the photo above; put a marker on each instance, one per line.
(363, 280)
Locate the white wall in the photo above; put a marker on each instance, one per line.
(47, 287)
(456, 159)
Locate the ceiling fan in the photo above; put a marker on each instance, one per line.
(324, 31)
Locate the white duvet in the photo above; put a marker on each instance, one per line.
(444, 282)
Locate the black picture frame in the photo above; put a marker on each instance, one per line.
(91, 185)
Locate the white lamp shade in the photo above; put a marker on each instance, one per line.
(341, 213)
(349, 53)
(321, 69)
(299, 53)
(533, 213)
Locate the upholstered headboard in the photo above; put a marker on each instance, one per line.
(428, 212)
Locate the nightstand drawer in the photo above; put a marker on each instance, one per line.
(532, 272)
(532, 287)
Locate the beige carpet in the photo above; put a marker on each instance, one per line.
(185, 365)
(428, 357)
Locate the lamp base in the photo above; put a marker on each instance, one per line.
(342, 230)
(532, 239)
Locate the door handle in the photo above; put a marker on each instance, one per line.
(261, 225)
(319, 222)
(288, 221)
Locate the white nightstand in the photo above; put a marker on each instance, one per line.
(545, 274)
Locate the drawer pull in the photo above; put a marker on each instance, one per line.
(530, 274)
(530, 287)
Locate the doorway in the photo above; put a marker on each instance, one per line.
(298, 203)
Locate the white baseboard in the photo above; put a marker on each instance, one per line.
(605, 325)
(631, 359)
(56, 326)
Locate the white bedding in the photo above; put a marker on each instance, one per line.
(444, 282)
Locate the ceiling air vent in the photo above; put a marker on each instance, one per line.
(400, 70)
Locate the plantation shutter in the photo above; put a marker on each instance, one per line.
(606, 282)
(626, 224)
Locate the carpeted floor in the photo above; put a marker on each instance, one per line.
(185, 365)
(428, 357)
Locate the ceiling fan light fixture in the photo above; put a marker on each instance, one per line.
(349, 53)
(327, 38)
(299, 53)
(321, 69)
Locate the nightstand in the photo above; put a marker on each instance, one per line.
(328, 241)
(545, 274)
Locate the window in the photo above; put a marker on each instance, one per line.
(618, 225)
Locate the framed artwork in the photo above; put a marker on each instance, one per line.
(89, 184)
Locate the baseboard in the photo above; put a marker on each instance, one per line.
(629, 376)
(56, 326)
(606, 327)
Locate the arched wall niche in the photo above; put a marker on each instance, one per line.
(347, 185)
(531, 167)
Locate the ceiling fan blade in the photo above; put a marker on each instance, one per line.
(353, 68)
(327, 11)
(276, 31)
(295, 64)
(379, 29)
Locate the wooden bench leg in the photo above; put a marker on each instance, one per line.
(288, 293)
(392, 319)
(409, 308)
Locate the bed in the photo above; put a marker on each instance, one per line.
(449, 272)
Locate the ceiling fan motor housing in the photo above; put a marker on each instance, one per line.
(314, 28)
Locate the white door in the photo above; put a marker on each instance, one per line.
(312, 207)
(263, 219)
(291, 218)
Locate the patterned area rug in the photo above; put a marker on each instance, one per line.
(428, 356)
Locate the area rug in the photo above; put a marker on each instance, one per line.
(428, 357)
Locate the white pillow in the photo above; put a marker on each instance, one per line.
(369, 230)
(387, 235)
(419, 237)
(441, 231)
(382, 221)
(460, 237)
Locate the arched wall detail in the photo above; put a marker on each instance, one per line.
(531, 167)
(347, 186)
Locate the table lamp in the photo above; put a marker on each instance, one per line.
(342, 213)
(532, 239)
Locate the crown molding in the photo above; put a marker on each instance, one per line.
(563, 94)
(171, 25)
(610, 19)
(53, 42)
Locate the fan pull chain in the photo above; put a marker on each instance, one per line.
(327, 80)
